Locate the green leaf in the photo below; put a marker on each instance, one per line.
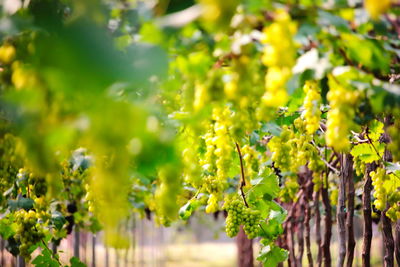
(186, 211)
(375, 130)
(392, 166)
(58, 220)
(266, 183)
(45, 259)
(271, 128)
(270, 255)
(75, 262)
(329, 20)
(366, 152)
(20, 203)
(6, 229)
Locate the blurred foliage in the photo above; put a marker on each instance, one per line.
(112, 107)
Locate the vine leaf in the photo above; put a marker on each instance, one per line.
(186, 211)
(366, 153)
(75, 262)
(6, 229)
(58, 220)
(266, 183)
(270, 255)
(45, 259)
(375, 130)
(20, 203)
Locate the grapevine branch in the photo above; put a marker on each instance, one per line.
(243, 180)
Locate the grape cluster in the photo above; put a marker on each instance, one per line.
(222, 142)
(289, 189)
(212, 203)
(191, 169)
(166, 194)
(37, 184)
(279, 56)
(251, 221)
(235, 208)
(312, 101)
(280, 148)
(238, 215)
(28, 232)
(394, 202)
(340, 116)
(378, 178)
(359, 166)
(292, 149)
(301, 149)
(251, 159)
(208, 160)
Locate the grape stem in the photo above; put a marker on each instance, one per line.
(336, 171)
(243, 180)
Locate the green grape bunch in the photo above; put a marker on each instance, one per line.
(29, 232)
(235, 208)
(239, 214)
(378, 178)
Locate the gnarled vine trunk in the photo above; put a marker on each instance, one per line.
(351, 243)
(367, 231)
(328, 228)
(397, 242)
